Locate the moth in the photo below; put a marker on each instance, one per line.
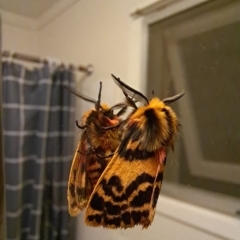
(126, 193)
(100, 137)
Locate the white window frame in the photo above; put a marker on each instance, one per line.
(190, 214)
(198, 165)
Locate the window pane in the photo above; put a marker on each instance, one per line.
(198, 52)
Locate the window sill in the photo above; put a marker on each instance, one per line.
(192, 207)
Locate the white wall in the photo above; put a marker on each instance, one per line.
(19, 35)
(101, 33)
(90, 32)
(104, 34)
(19, 39)
(95, 32)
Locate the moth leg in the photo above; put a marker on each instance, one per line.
(162, 156)
(103, 160)
(110, 155)
(157, 171)
(79, 126)
(107, 128)
(84, 153)
(88, 150)
(111, 127)
(91, 147)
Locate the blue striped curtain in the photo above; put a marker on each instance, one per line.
(38, 124)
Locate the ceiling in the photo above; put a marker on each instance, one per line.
(28, 8)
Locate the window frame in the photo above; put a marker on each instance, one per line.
(176, 190)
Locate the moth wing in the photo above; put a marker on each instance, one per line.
(126, 193)
(79, 190)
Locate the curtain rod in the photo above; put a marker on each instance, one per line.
(88, 69)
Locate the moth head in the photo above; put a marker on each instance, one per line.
(106, 111)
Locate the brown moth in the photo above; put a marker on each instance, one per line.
(100, 138)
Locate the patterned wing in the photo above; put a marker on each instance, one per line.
(79, 188)
(126, 193)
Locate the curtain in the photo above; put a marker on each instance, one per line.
(38, 138)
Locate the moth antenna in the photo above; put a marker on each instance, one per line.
(130, 101)
(122, 111)
(98, 103)
(172, 99)
(118, 105)
(130, 91)
(81, 95)
(79, 126)
(152, 93)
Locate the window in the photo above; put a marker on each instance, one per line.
(198, 52)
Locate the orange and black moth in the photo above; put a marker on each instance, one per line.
(100, 138)
(126, 193)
